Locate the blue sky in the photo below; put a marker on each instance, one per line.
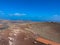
(35, 10)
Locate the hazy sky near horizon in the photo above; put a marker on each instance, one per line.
(36, 10)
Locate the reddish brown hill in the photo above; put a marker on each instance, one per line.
(29, 33)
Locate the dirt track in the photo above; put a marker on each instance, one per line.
(31, 31)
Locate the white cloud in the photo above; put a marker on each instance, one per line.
(18, 14)
(55, 18)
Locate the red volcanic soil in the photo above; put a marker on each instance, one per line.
(13, 33)
(47, 41)
(9, 37)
